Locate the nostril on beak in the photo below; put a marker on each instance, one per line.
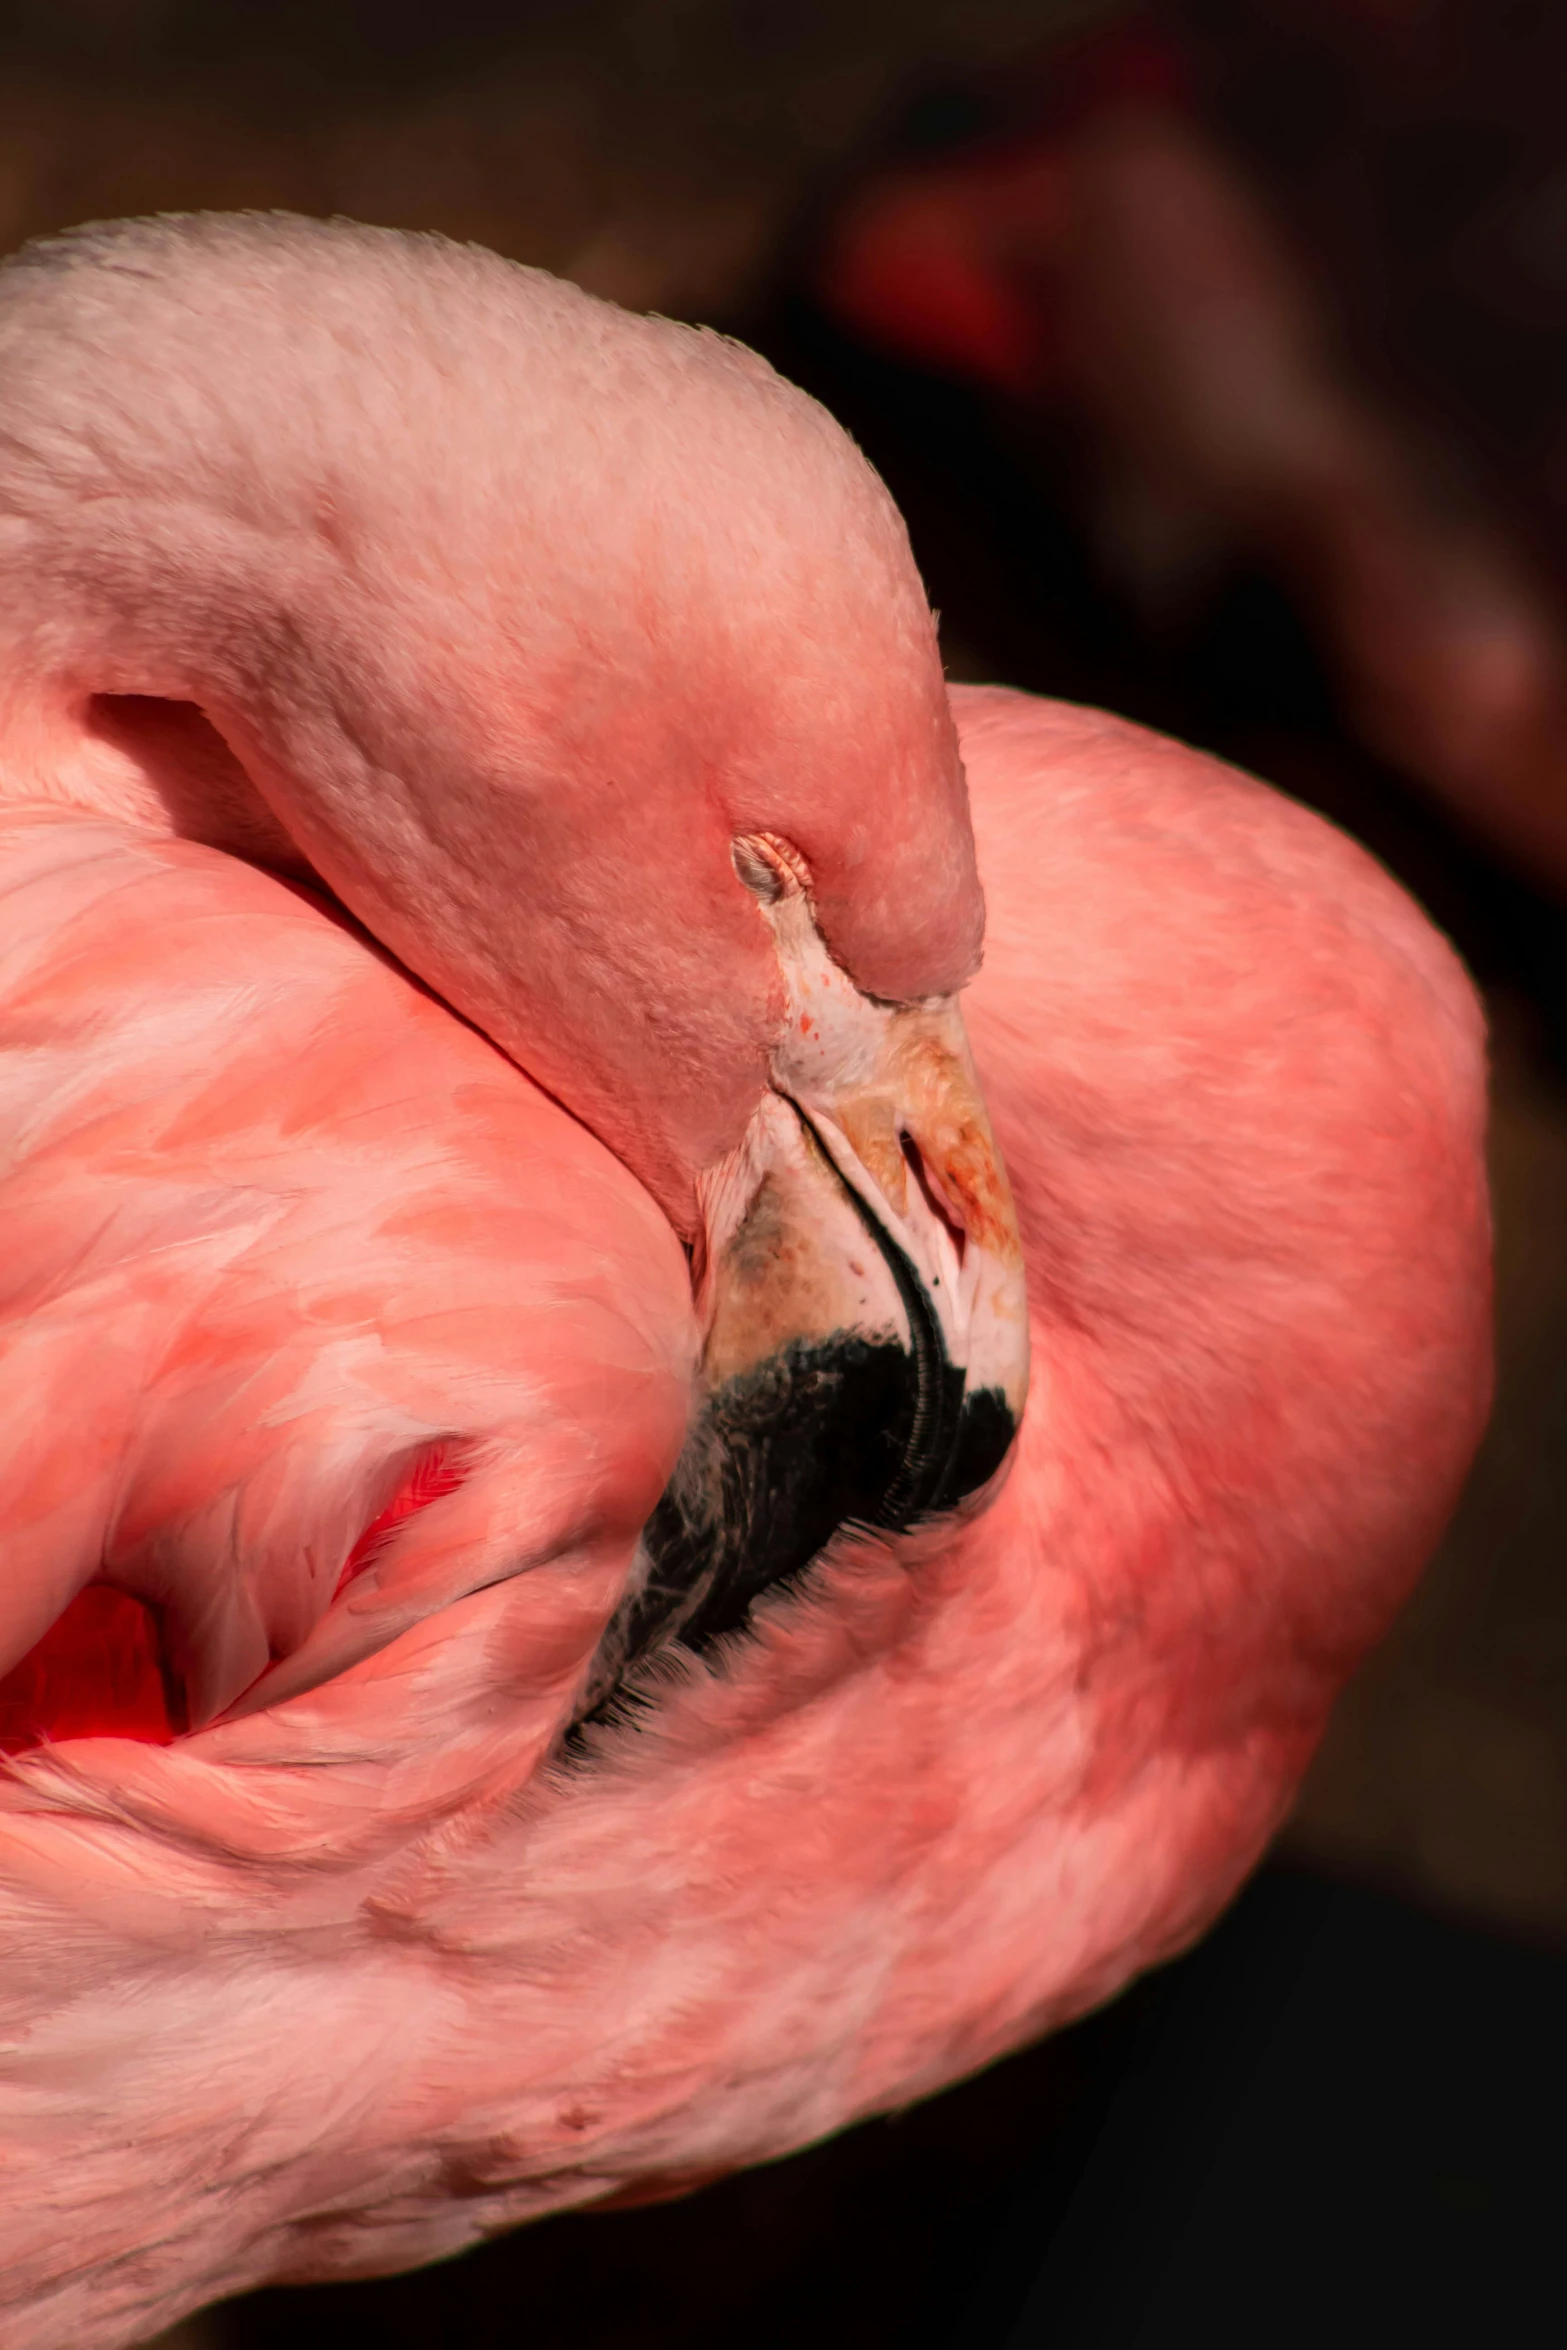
(932, 1197)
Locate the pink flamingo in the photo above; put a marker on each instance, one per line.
(506, 1710)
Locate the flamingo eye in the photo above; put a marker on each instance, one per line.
(768, 866)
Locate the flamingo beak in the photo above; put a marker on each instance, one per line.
(861, 1292)
(874, 1214)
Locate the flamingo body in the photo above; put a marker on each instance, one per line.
(364, 1363)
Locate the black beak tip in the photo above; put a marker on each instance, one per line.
(987, 1429)
(819, 1437)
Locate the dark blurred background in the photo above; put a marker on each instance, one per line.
(1218, 356)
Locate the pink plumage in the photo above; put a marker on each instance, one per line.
(504, 1852)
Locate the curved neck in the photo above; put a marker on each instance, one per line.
(508, 613)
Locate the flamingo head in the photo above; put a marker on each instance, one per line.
(585, 662)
